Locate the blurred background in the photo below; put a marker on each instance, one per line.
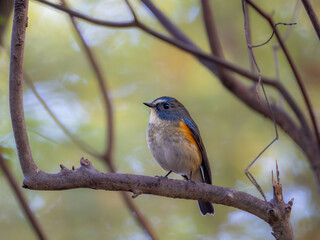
(140, 68)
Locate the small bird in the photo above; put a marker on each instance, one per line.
(175, 142)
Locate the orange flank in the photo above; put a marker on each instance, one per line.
(186, 130)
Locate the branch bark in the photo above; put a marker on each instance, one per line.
(16, 87)
(86, 176)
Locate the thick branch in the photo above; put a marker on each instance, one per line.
(16, 87)
(88, 177)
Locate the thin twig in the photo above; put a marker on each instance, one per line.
(252, 67)
(276, 66)
(248, 174)
(294, 70)
(312, 15)
(274, 27)
(21, 199)
(82, 145)
(103, 88)
(125, 24)
(276, 47)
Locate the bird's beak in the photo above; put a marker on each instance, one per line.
(150, 105)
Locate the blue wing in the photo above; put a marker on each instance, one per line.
(205, 167)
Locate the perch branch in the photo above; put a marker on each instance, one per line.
(86, 176)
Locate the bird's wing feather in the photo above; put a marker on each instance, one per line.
(205, 167)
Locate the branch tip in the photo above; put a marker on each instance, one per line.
(291, 202)
(85, 162)
(136, 194)
(63, 167)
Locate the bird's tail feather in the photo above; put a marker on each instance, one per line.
(206, 208)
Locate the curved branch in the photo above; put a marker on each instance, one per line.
(28, 166)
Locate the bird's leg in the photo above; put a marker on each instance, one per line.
(166, 176)
(185, 177)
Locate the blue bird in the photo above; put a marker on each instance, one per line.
(175, 142)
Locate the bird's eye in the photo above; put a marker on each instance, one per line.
(166, 106)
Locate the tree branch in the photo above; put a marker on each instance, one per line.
(293, 68)
(86, 176)
(78, 142)
(312, 15)
(177, 43)
(16, 87)
(103, 88)
(21, 199)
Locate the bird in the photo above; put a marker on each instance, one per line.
(175, 143)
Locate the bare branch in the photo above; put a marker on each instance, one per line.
(177, 43)
(260, 82)
(82, 145)
(16, 87)
(21, 199)
(103, 88)
(274, 213)
(312, 15)
(126, 24)
(294, 70)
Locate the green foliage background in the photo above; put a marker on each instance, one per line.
(139, 69)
